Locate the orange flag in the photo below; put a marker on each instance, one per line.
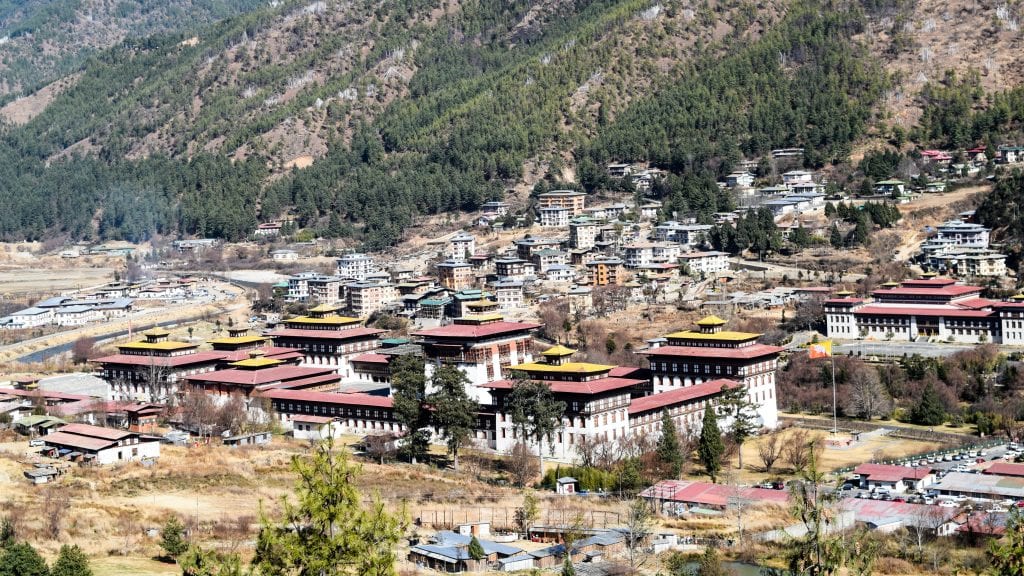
(820, 349)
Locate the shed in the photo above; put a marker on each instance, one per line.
(566, 485)
(41, 475)
(252, 439)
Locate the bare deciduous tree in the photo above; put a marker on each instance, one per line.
(769, 449)
(799, 448)
(522, 464)
(867, 398)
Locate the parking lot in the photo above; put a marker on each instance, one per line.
(970, 461)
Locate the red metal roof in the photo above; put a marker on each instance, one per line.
(928, 282)
(75, 441)
(708, 494)
(1005, 469)
(742, 352)
(974, 303)
(891, 473)
(44, 394)
(304, 382)
(848, 301)
(354, 399)
(162, 361)
(684, 394)
(94, 431)
(624, 371)
(371, 357)
(999, 305)
(263, 376)
(947, 291)
(349, 334)
(922, 311)
(563, 387)
(477, 331)
(274, 352)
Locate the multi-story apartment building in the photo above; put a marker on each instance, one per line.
(460, 247)
(606, 271)
(456, 274)
(365, 298)
(583, 233)
(570, 199)
(356, 266)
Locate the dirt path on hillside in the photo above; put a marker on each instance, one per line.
(930, 210)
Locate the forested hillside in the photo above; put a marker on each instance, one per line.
(402, 108)
(45, 39)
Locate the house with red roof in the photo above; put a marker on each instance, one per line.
(83, 442)
(934, 308)
(710, 352)
(1005, 469)
(893, 477)
(675, 497)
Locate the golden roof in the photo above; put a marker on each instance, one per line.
(725, 336)
(846, 292)
(165, 346)
(1018, 296)
(567, 368)
(710, 321)
(248, 339)
(324, 308)
(256, 362)
(558, 350)
(339, 320)
(156, 332)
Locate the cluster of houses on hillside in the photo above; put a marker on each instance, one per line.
(961, 248)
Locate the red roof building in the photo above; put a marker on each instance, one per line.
(1005, 469)
(669, 495)
(329, 348)
(685, 406)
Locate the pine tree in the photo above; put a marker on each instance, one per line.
(567, 567)
(454, 411)
(71, 562)
(340, 535)
(710, 447)
(735, 402)
(172, 538)
(409, 391)
(475, 550)
(929, 411)
(22, 559)
(835, 238)
(1007, 554)
(669, 452)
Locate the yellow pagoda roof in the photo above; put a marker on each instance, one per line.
(725, 336)
(156, 332)
(248, 339)
(891, 284)
(848, 292)
(567, 368)
(339, 320)
(710, 321)
(164, 346)
(1018, 296)
(483, 317)
(558, 350)
(483, 303)
(324, 308)
(929, 275)
(256, 362)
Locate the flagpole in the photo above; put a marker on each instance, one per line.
(835, 422)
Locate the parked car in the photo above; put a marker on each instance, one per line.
(979, 460)
(37, 442)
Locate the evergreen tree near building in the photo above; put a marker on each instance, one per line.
(21, 559)
(71, 562)
(669, 451)
(454, 411)
(8, 533)
(710, 447)
(409, 392)
(929, 411)
(534, 412)
(710, 564)
(735, 403)
(172, 538)
(567, 567)
(475, 550)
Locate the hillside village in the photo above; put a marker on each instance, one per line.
(328, 355)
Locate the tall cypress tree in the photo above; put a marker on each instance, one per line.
(669, 452)
(929, 411)
(710, 447)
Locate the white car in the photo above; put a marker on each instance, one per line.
(37, 442)
(948, 503)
